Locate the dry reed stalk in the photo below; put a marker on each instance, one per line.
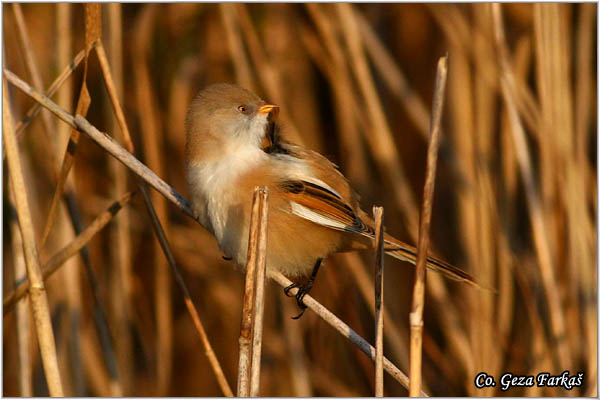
(574, 221)
(485, 104)
(162, 239)
(506, 257)
(534, 203)
(258, 254)
(244, 361)
(418, 304)
(56, 85)
(298, 363)
(461, 109)
(100, 383)
(437, 286)
(36, 78)
(397, 338)
(246, 386)
(109, 145)
(69, 250)
(298, 76)
(456, 27)
(334, 67)
(243, 76)
(584, 97)
(152, 138)
(394, 77)
(92, 35)
(378, 215)
(120, 282)
(180, 96)
(542, 358)
(71, 357)
(23, 325)
(37, 291)
(114, 96)
(345, 331)
(379, 136)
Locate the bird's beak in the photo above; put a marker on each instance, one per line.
(267, 108)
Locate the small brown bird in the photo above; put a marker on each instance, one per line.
(234, 144)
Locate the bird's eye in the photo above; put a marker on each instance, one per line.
(242, 109)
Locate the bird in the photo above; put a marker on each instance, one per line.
(234, 143)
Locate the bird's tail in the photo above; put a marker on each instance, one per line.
(406, 252)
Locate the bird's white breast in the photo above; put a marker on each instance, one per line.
(213, 186)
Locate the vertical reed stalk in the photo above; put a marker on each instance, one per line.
(121, 275)
(152, 139)
(534, 203)
(416, 313)
(247, 372)
(37, 291)
(22, 309)
(298, 363)
(258, 255)
(378, 215)
(237, 53)
(70, 275)
(34, 72)
(379, 136)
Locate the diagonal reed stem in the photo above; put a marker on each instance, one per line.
(162, 239)
(69, 250)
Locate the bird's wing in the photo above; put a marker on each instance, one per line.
(323, 206)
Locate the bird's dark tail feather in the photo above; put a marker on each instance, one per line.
(405, 252)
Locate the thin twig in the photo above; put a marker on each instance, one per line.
(37, 291)
(378, 215)
(416, 313)
(114, 98)
(258, 255)
(162, 239)
(344, 330)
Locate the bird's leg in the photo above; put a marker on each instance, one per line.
(303, 289)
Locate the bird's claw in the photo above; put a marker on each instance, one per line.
(302, 291)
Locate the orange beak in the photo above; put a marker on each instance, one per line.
(267, 108)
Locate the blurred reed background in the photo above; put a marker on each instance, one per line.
(515, 202)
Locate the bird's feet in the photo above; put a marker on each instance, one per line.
(302, 291)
